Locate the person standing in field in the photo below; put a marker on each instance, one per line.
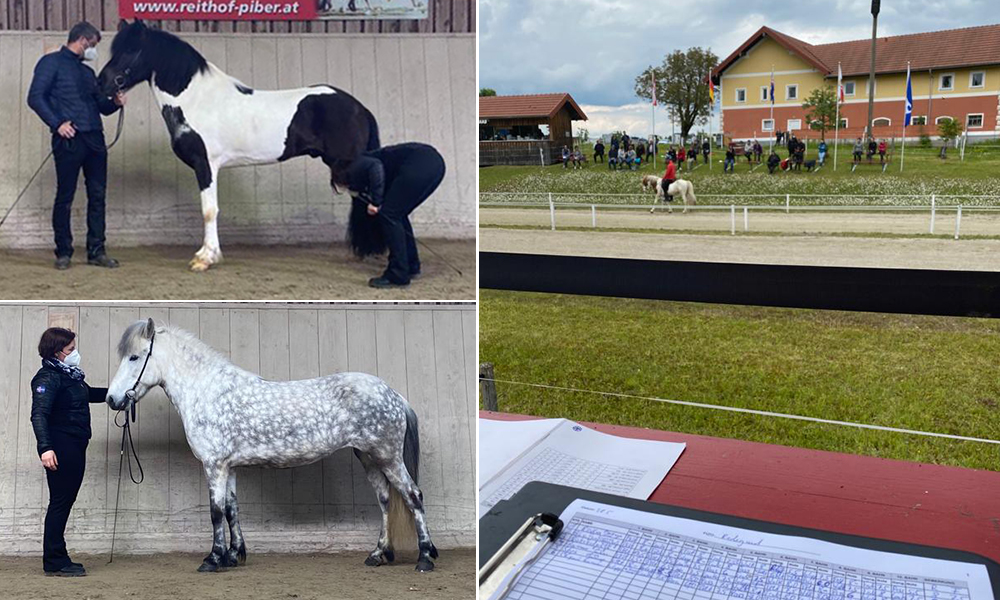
(599, 151)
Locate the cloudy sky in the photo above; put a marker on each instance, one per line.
(594, 49)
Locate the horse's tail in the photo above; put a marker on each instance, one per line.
(364, 232)
(374, 143)
(402, 527)
(689, 197)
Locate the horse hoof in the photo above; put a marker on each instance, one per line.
(207, 567)
(198, 266)
(389, 555)
(229, 560)
(424, 565)
(373, 561)
(242, 553)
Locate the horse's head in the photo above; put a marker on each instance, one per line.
(129, 64)
(138, 370)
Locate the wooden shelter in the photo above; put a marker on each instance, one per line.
(523, 130)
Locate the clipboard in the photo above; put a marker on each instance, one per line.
(500, 526)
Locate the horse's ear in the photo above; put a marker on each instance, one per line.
(122, 24)
(150, 328)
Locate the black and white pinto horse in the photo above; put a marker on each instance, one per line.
(234, 418)
(215, 121)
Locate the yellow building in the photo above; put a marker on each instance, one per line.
(955, 73)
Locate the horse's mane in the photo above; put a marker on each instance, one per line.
(134, 332)
(173, 60)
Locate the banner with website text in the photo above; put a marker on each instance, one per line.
(272, 10)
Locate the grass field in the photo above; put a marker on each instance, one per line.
(925, 373)
(924, 174)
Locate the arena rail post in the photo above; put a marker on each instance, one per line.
(746, 219)
(488, 386)
(788, 203)
(732, 215)
(958, 221)
(933, 212)
(593, 215)
(552, 212)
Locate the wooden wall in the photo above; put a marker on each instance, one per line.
(426, 352)
(444, 16)
(420, 88)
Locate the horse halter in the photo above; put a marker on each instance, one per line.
(122, 78)
(130, 394)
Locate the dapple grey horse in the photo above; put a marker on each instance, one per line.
(235, 418)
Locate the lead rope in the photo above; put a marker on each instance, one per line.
(127, 433)
(118, 134)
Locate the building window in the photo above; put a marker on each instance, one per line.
(941, 119)
(741, 95)
(977, 79)
(794, 124)
(849, 88)
(843, 123)
(974, 121)
(881, 122)
(767, 125)
(792, 92)
(947, 82)
(915, 120)
(764, 89)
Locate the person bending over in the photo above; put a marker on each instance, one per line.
(387, 185)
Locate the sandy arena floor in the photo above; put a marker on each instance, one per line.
(972, 255)
(263, 577)
(317, 272)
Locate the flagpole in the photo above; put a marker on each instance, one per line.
(908, 110)
(652, 75)
(836, 131)
(771, 92)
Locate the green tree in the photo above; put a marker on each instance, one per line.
(681, 86)
(821, 110)
(948, 129)
(487, 92)
(584, 134)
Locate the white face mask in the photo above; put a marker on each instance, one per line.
(90, 54)
(72, 359)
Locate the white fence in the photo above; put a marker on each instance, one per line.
(739, 210)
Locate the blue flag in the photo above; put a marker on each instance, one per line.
(772, 87)
(909, 99)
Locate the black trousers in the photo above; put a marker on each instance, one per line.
(419, 175)
(86, 151)
(64, 483)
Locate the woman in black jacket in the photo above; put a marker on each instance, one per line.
(60, 417)
(388, 184)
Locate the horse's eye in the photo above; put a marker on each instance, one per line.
(133, 358)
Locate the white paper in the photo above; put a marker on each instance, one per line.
(502, 442)
(610, 552)
(577, 456)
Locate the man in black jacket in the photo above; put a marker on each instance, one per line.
(60, 418)
(65, 94)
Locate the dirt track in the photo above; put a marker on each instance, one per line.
(974, 223)
(973, 255)
(263, 577)
(319, 272)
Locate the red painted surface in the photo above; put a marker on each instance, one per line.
(741, 124)
(911, 502)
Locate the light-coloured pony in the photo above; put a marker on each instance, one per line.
(680, 188)
(235, 418)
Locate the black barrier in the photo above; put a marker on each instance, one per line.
(910, 291)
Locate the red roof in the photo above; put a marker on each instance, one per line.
(531, 105)
(949, 49)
